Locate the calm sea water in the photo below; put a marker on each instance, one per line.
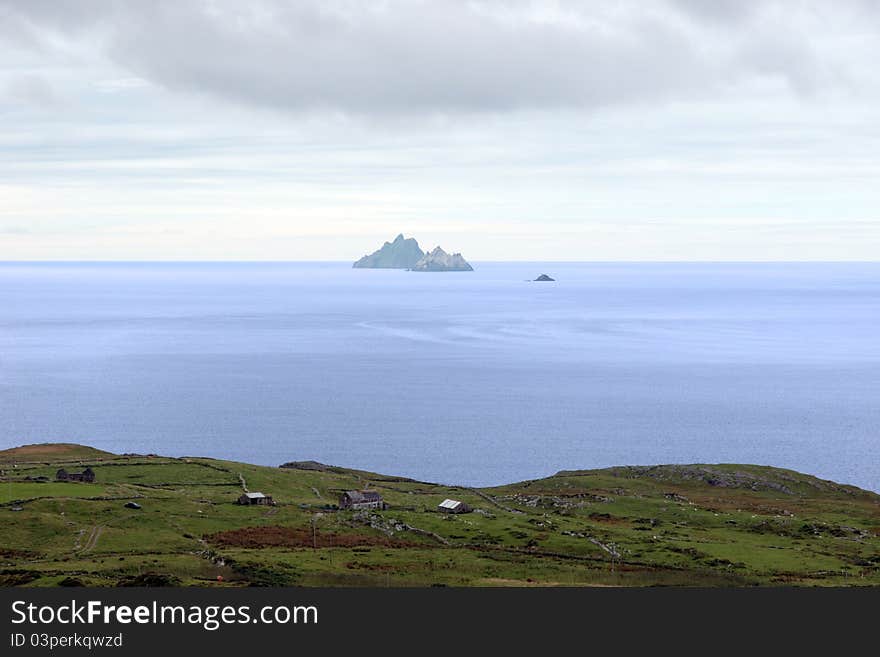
(475, 378)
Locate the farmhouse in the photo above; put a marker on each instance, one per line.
(361, 499)
(453, 506)
(87, 475)
(256, 498)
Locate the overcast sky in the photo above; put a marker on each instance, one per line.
(666, 130)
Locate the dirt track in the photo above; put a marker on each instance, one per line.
(92, 540)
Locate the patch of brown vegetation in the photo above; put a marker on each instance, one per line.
(50, 451)
(297, 537)
(12, 553)
(18, 577)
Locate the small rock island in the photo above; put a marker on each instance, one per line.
(543, 278)
(402, 253)
(439, 260)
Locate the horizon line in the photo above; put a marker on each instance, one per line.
(314, 261)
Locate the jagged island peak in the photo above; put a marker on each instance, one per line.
(402, 253)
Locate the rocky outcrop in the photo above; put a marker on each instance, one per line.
(402, 253)
(775, 480)
(439, 260)
(543, 278)
(306, 465)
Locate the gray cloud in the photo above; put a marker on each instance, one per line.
(410, 57)
(722, 12)
(31, 90)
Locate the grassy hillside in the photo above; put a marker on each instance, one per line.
(709, 525)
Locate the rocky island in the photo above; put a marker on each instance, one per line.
(402, 253)
(544, 278)
(439, 260)
(405, 253)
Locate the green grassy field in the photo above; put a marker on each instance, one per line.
(683, 525)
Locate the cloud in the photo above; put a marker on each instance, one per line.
(721, 12)
(29, 90)
(119, 85)
(417, 57)
(618, 129)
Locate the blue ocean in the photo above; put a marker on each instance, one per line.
(472, 378)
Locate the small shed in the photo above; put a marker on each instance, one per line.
(247, 499)
(453, 506)
(361, 499)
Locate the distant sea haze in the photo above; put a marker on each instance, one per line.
(473, 378)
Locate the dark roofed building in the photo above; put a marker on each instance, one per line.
(361, 499)
(87, 475)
